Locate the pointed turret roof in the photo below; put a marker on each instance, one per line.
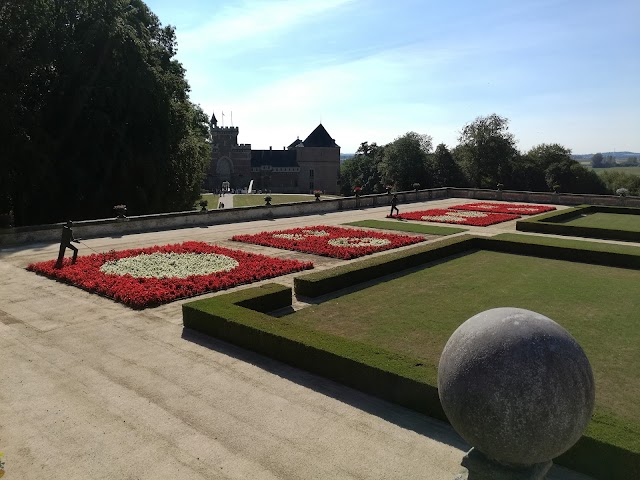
(296, 142)
(320, 138)
(214, 120)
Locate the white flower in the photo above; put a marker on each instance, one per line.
(359, 242)
(170, 265)
(289, 236)
(315, 233)
(456, 217)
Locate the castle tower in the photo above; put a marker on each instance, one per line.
(230, 162)
(319, 159)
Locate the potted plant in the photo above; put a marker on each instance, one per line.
(556, 188)
(317, 193)
(203, 205)
(267, 201)
(121, 212)
(500, 186)
(388, 188)
(622, 192)
(416, 186)
(357, 191)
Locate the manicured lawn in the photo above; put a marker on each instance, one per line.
(612, 221)
(403, 226)
(415, 314)
(212, 198)
(258, 199)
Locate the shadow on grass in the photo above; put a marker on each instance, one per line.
(400, 416)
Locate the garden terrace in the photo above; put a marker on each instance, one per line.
(613, 223)
(380, 338)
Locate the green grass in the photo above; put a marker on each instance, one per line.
(258, 199)
(630, 170)
(612, 221)
(406, 227)
(562, 242)
(212, 198)
(415, 314)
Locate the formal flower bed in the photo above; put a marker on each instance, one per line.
(441, 215)
(328, 241)
(515, 208)
(146, 277)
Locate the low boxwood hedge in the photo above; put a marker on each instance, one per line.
(609, 449)
(388, 375)
(549, 223)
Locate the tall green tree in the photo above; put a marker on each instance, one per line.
(486, 151)
(404, 161)
(444, 170)
(361, 170)
(94, 111)
(597, 160)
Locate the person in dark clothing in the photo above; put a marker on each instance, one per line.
(65, 242)
(394, 205)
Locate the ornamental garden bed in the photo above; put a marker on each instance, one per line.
(442, 215)
(147, 277)
(590, 221)
(386, 339)
(336, 242)
(514, 208)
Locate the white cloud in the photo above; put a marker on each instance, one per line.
(234, 24)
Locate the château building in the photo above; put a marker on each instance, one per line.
(302, 167)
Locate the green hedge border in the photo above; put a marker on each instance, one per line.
(548, 223)
(240, 318)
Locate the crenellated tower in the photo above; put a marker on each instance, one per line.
(230, 161)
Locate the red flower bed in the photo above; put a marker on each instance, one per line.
(441, 215)
(142, 292)
(515, 208)
(337, 242)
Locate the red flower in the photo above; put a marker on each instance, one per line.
(514, 208)
(337, 242)
(152, 291)
(441, 215)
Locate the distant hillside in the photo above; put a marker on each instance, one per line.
(616, 155)
(344, 156)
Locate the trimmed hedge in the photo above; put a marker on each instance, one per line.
(548, 223)
(328, 281)
(387, 375)
(609, 449)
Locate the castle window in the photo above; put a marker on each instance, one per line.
(311, 173)
(311, 187)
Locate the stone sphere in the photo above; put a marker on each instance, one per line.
(516, 386)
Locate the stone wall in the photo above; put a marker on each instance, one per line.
(170, 221)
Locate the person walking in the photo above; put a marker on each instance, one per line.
(65, 242)
(394, 205)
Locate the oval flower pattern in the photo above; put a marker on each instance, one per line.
(166, 265)
(515, 208)
(359, 242)
(329, 241)
(443, 215)
(147, 277)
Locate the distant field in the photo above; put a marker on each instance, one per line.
(631, 170)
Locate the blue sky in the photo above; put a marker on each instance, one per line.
(563, 72)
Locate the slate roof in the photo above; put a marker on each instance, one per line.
(275, 158)
(319, 138)
(296, 143)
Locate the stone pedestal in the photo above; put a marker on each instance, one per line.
(479, 467)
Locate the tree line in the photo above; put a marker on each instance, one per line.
(94, 112)
(485, 157)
